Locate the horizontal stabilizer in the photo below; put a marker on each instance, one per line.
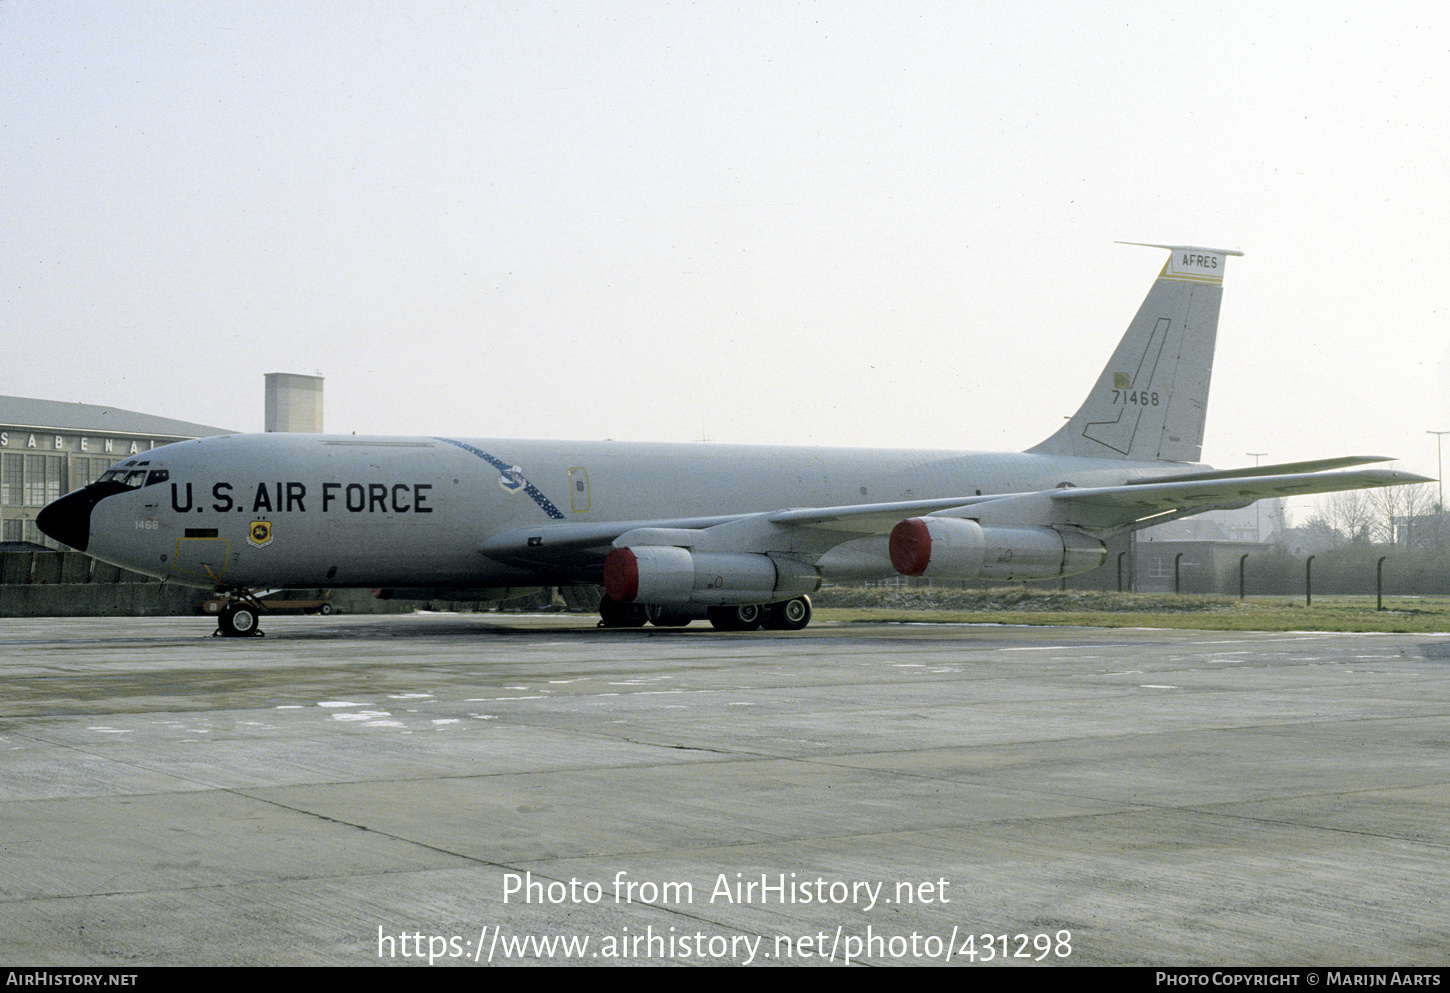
(1142, 504)
(1282, 469)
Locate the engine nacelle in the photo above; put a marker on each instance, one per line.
(958, 548)
(665, 574)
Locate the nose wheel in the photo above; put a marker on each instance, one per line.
(240, 618)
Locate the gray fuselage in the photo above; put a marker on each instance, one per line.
(347, 511)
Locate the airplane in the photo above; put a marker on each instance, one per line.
(741, 535)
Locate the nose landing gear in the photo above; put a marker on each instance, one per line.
(241, 617)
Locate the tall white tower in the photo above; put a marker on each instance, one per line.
(294, 403)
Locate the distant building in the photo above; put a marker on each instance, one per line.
(1203, 553)
(1263, 522)
(1313, 538)
(1196, 566)
(1422, 532)
(48, 448)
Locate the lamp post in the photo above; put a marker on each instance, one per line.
(1439, 468)
(1258, 524)
(1439, 506)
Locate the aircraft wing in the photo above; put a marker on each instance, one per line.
(547, 542)
(1106, 509)
(559, 544)
(810, 532)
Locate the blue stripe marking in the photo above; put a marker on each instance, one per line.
(505, 470)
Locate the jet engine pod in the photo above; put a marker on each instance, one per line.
(664, 574)
(649, 574)
(957, 548)
(951, 547)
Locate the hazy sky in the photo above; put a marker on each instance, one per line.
(888, 224)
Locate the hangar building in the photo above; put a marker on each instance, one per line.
(48, 447)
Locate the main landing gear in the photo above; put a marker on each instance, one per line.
(789, 615)
(613, 614)
(241, 617)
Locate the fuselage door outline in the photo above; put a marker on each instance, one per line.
(579, 489)
(204, 557)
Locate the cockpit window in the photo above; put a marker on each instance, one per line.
(130, 478)
(157, 476)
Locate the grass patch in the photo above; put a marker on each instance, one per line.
(1091, 608)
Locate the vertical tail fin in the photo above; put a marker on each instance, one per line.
(1150, 401)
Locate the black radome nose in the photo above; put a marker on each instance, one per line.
(68, 520)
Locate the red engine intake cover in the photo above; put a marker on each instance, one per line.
(910, 547)
(621, 575)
